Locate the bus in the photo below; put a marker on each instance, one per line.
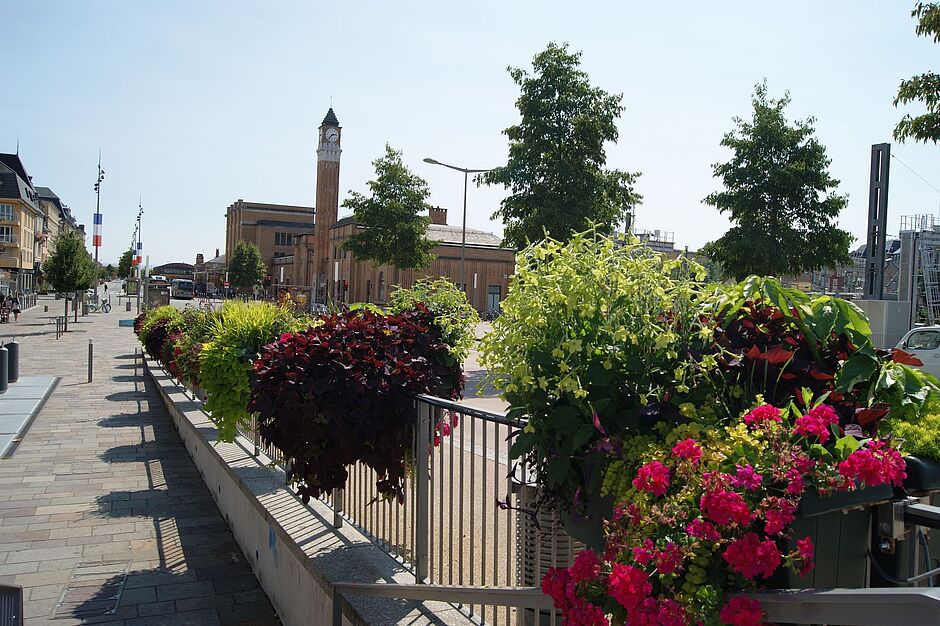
(181, 289)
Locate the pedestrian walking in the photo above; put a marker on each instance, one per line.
(15, 305)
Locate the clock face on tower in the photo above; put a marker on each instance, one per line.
(332, 135)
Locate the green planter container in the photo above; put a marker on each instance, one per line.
(840, 528)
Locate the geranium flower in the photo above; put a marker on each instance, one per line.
(725, 507)
(752, 557)
(644, 554)
(746, 478)
(586, 566)
(816, 422)
(555, 585)
(669, 559)
(628, 585)
(778, 513)
(763, 413)
(703, 530)
(742, 611)
(653, 478)
(667, 612)
(875, 464)
(688, 450)
(807, 552)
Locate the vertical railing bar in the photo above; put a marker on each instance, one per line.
(439, 416)
(462, 452)
(483, 546)
(422, 525)
(473, 454)
(495, 510)
(450, 519)
(554, 555)
(508, 520)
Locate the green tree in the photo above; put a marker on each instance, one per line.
(125, 264)
(246, 269)
(395, 231)
(779, 196)
(555, 171)
(924, 87)
(69, 268)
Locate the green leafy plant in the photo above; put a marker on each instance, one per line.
(452, 312)
(235, 338)
(594, 338)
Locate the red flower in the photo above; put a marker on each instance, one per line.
(742, 611)
(778, 513)
(761, 414)
(653, 478)
(688, 450)
(751, 557)
(555, 585)
(644, 554)
(583, 613)
(816, 423)
(795, 484)
(806, 551)
(875, 464)
(669, 559)
(703, 530)
(725, 507)
(628, 585)
(586, 566)
(664, 613)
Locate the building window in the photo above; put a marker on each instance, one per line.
(283, 239)
(278, 255)
(493, 294)
(381, 286)
(6, 212)
(6, 234)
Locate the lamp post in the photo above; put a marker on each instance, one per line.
(463, 232)
(96, 232)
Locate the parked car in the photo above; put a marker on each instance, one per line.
(924, 343)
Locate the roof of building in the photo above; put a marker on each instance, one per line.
(166, 267)
(283, 223)
(330, 118)
(219, 260)
(13, 162)
(892, 245)
(447, 234)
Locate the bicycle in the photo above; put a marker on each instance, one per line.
(103, 307)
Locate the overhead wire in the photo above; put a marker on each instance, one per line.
(927, 182)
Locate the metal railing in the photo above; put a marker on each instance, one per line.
(465, 520)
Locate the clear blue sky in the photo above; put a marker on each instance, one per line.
(196, 104)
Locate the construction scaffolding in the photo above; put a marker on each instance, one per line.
(920, 267)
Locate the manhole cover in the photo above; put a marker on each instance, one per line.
(94, 589)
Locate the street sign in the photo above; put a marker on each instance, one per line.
(225, 284)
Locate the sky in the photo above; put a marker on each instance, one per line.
(195, 104)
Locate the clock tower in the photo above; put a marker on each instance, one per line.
(328, 152)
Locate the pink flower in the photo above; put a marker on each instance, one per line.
(778, 513)
(586, 566)
(664, 613)
(809, 426)
(628, 585)
(725, 507)
(688, 450)
(653, 478)
(285, 336)
(806, 551)
(746, 478)
(702, 530)
(742, 611)
(751, 557)
(644, 554)
(761, 414)
(583, 613)
(795, 483)
(669, 559)
(875, 464)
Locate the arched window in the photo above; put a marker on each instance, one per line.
(381, 286)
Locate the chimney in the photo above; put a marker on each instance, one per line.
(216, 254)
(438, 215)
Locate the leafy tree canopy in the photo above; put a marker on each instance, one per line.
(395, 231)
(246, 269)
(70, 268)
(779, 195)
(555, 170)
(924, 88)
(125, 264)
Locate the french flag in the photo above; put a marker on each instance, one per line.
(96, 235)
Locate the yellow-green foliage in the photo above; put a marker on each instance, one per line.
(452, 312)
(236, 336)
(154, 316)
(920, 432)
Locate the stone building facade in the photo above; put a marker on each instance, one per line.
(271, 227)
(318, 266)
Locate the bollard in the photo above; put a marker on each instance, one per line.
(91, 356)
(3, 369)
(127, 304)
(13, 360)
(45, 308)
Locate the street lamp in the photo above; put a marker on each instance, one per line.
(463, 233)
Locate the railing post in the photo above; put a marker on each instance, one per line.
(337, 607)
(337, 508)
(257, 434)
(422, 490)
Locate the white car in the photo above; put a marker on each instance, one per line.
(924, 343)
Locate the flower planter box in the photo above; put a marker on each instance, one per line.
(923, 480)
(840, 528)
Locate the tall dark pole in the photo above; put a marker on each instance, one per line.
(96, 229)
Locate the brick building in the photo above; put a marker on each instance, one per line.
(317, 263)
(271, 227)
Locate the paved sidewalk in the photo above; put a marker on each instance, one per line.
(100, 498)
